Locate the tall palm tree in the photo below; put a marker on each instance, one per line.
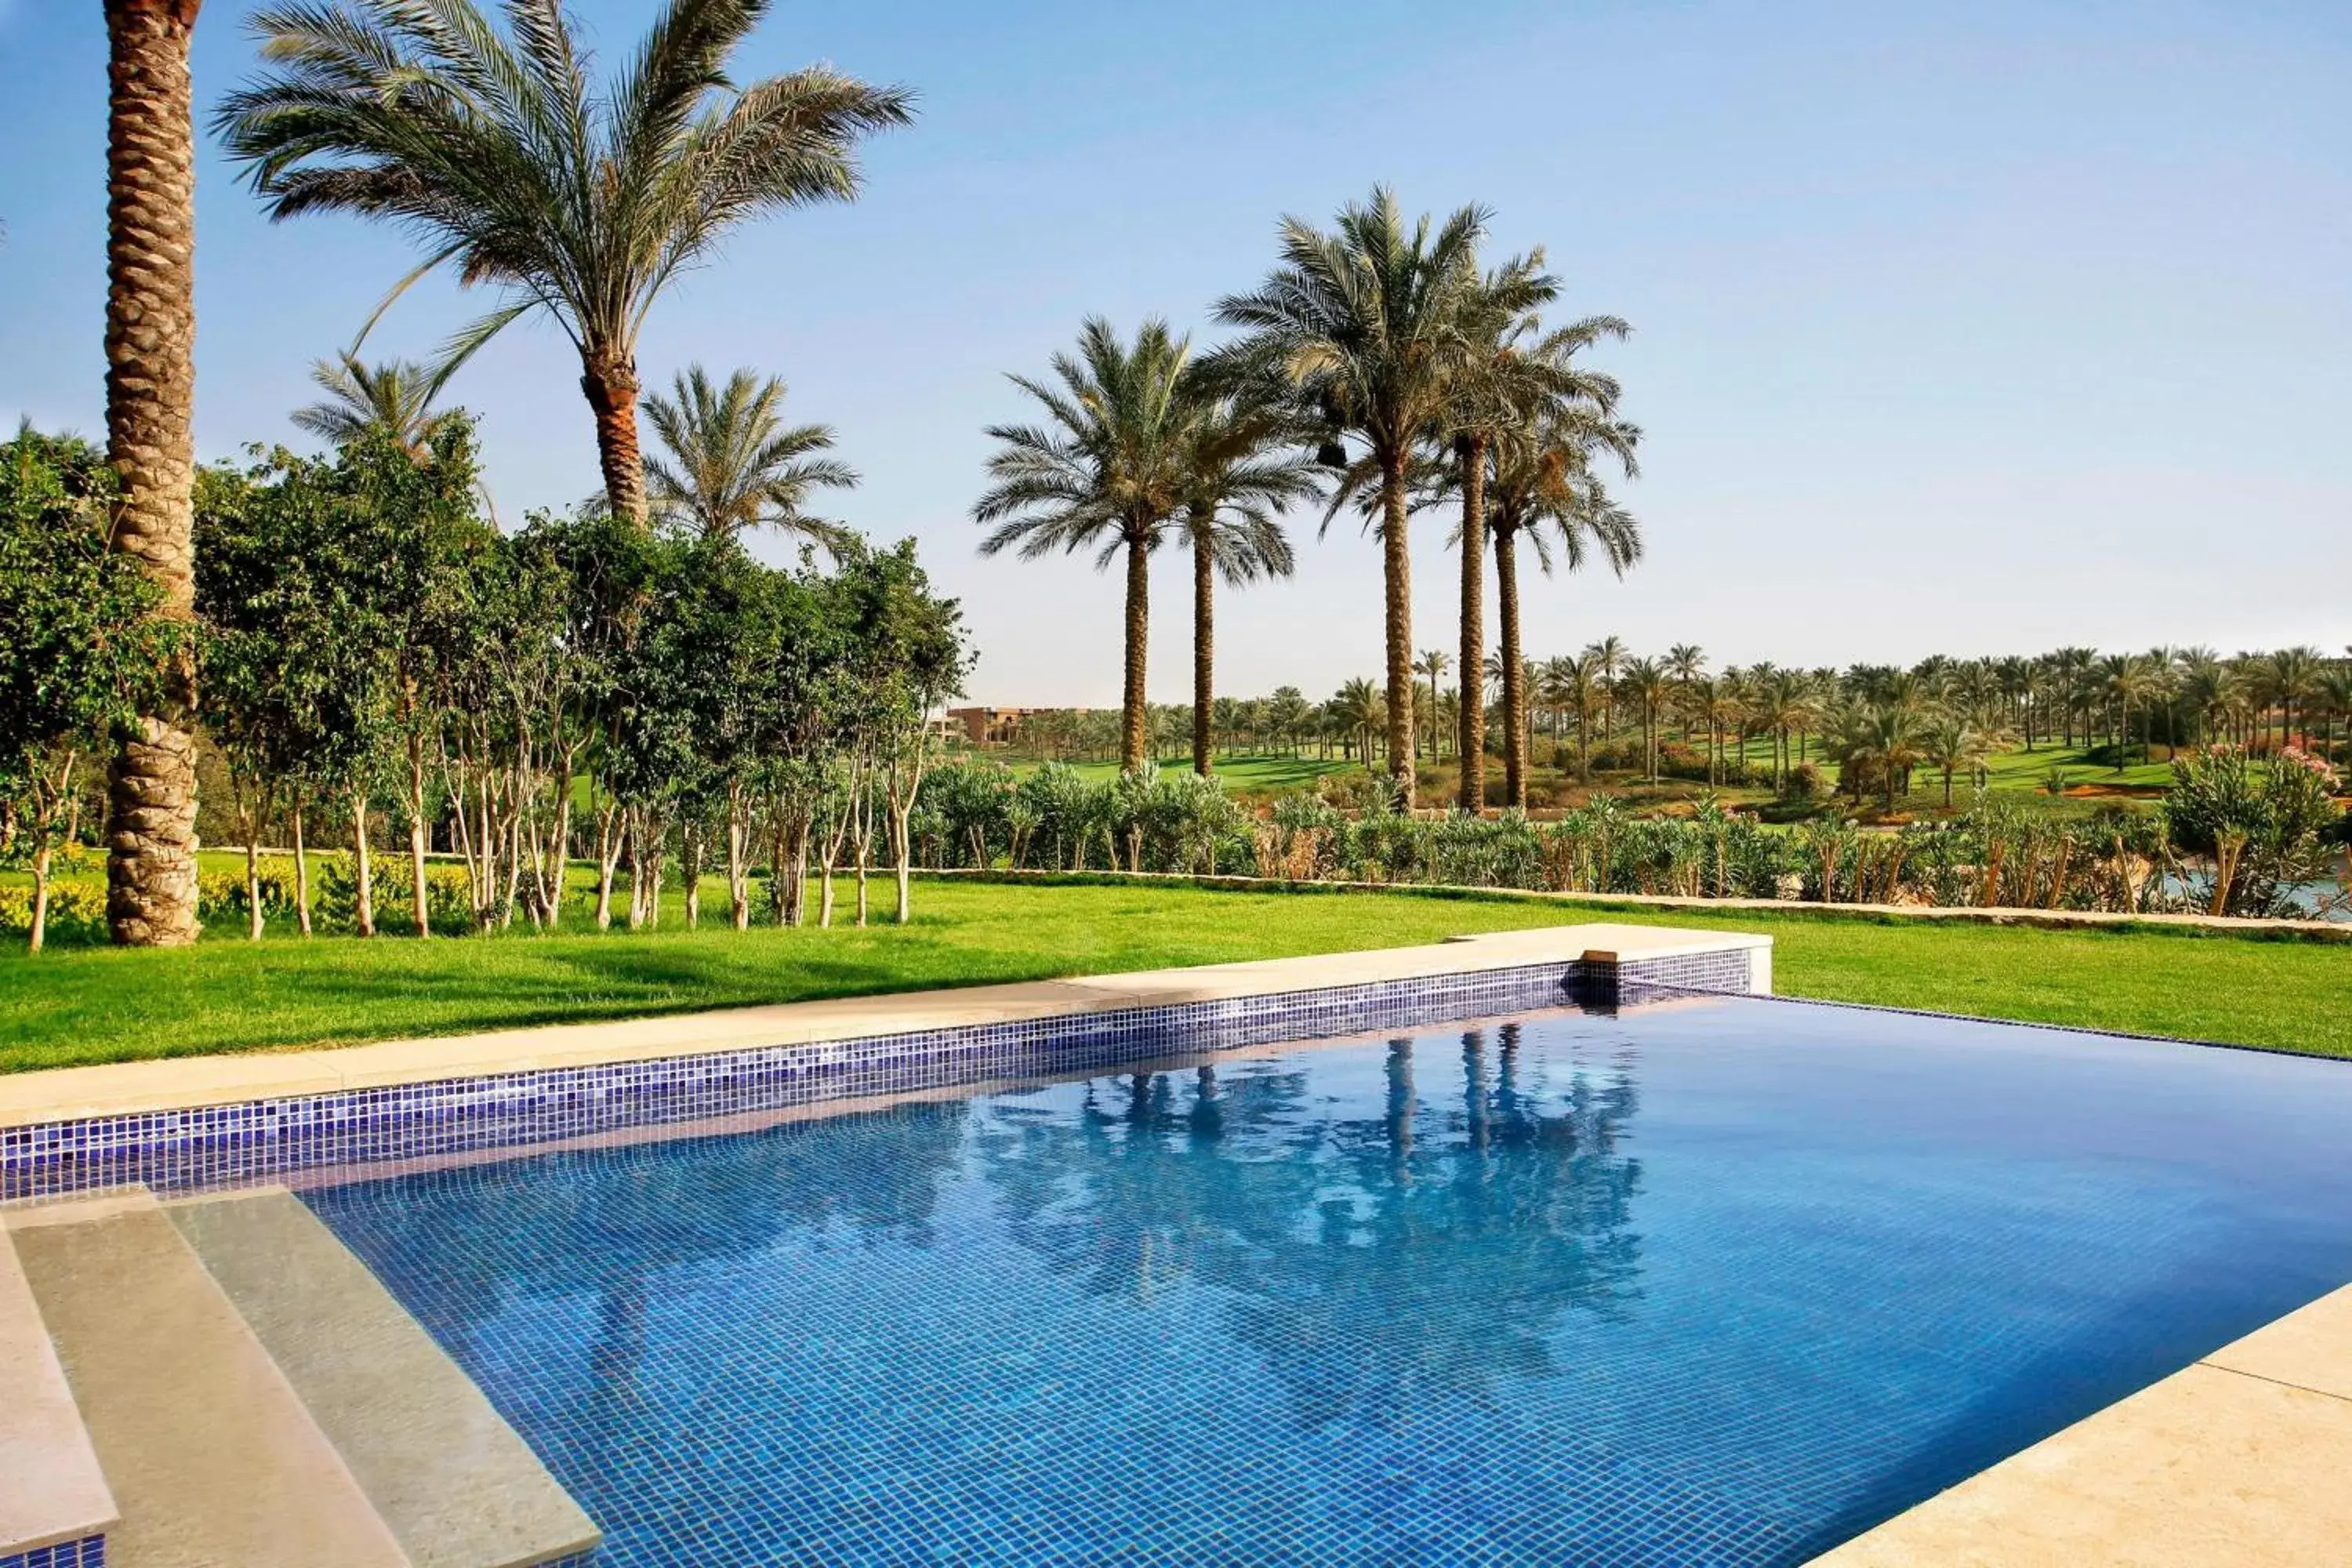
(493, 149)
(1109, 473)
(394, 397)
(1542, 488)
(1360, 712)
(1365, 326)
(1951, 744)
(150, 326)
(1507, 375)
(1648, 683)
(733, 464)
(1433, 663)
(1608, 655)
(2288, 676)
(1241, 468)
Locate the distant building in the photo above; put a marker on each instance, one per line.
(996, 727)
(989, 726)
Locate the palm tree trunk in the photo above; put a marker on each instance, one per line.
(1515, 685)
(1471, 450)
(1204, 660)
(1396, 564)
(1139, 624)
(609, 377)
(151, 328)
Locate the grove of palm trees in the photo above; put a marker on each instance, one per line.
(347, 665)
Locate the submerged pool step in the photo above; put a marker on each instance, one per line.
(455, 1484)
(53, 1495)
(211, 1455)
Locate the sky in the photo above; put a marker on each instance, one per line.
(1961, 329)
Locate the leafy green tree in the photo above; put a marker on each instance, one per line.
(491, 147)
(733, 465)
(80, 652)
(1108, 472)
(911, 655)
(1367, 326)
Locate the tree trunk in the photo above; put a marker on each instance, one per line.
(1471, 739)
(362, 874)
(253, 916)
(1396, 562)
(609, 377)
(1204, 660)
(301, 874)
(40, 932)
(1515, 685)
(1132, 717)
(151, 328)
(421, 898)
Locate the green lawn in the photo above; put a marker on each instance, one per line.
(96, 1004)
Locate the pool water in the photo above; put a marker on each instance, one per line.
(1723, 1281)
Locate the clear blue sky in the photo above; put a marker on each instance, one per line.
(1972, 329)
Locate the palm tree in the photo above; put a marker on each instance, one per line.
(2288, 676)
(1571, 685)
(1508, 373)
(494, 151)
(734, 465)
(1365, 327)
(1433, 663)
(1108, 474)
(1358, 709)
(1647, 681)
(1951, 743)
(1880, 737)
(151, 324)
(394, 397)
(1543, 488)
(1240, 467)
(1608, 657)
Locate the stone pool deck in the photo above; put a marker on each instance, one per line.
(2242, 1460)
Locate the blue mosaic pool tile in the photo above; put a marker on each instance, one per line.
(1667, 1288)
(90, 1551)
(261, 1141)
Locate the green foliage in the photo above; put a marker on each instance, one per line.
(79, 650)
(2266, 821)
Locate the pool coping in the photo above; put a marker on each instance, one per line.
(187, 1123)
(2235, 1461)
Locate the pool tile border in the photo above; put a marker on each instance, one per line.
(244, 1142)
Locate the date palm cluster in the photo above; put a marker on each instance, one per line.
(1383, 368)
(1762, 723)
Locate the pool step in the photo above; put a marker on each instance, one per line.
(254, 1397)
(210, 1454)
(55, 1496)
(456, 1485)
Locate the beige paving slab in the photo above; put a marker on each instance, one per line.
(211, 1458)
(51, 1488)
(126, 1087)
(455, 1484)
(2309, 1349)
(2208, 1468)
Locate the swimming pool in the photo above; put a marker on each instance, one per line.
(1721, 1280)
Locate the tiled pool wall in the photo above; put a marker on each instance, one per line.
(259, 1141)
(90, 1551)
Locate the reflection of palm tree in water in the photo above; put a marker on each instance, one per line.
(1369, 1259)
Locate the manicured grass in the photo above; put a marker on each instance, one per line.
(72, 1007)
